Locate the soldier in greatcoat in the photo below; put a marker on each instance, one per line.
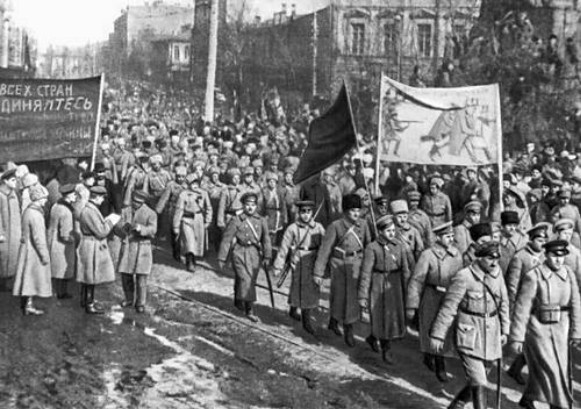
(10, 228)
(426, 290)
(94, 263)
(193, 215)
(298, 251)
(512, 240)
(136, 259)
(154, 184)
(436, 203)
(341, 253)
(475, 308)
(274, 207)
(563, 230)
(63, 240)
(462, 237)
(246, 243)
(406, 233)
(479, 233)
(166, 205)
(418, 218)
(546, 318)
(214, 188)
(384, 276)
(33, 268)
(230, 204)
(523, 261)
(135, 178)
(567, 210)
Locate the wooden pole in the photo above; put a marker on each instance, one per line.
(212, 56)
(98, 125)
(379, 132)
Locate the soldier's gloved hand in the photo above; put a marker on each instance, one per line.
(503, 340)
(318, 281)
(410, 313)
(436, 344)
(516, 347)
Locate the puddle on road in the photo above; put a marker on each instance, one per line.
(178, 382)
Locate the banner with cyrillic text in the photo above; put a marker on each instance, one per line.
(447, 126)
(47, 119)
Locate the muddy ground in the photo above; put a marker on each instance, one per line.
(192, 349)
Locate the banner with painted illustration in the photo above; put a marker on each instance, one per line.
(444, 126)
(44, 119)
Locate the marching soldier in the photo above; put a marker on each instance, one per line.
(418, 218)
(462, 237)
(476, 304)
(154, 184)
(274, 207)
(564, 231)
(136, 259)
(381, 209)
(523, 261)
(546, 318)
(406, 233)
(567, 210)
(384, 275)
(247, 243)
(10, 228)
(230, 204)
(135, 178)
(512, 239)
(436, 203)
(170, 197)
(63, 240)
(94, 263)
(426, 290)
(299, 246)
(193, 215)
(342, 252)
(214, 188)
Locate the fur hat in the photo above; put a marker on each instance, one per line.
(351, 201)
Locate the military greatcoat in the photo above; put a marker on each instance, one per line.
(384, 275)
(247, 242)
(298, 251)
(546, 332)
(437, 207)
(11, 229)
(33, 268)
(341, 253)
(136, 254)
(421, 221)
(523, 261)
(229, 204)
(427, 288)
(62, 241)
(462, 237)
(192, 217)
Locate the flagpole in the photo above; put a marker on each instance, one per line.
(98, 126)
(499, 146)
(379, 131)
(361, 160)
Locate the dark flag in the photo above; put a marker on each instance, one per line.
(331, 136)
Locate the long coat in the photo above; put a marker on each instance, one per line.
(427, 288)
(247, 247)
(274, 209)
(193, 215)
(384, 275)
(33, 269)
(341, 253)
(509, 247)
(62, 241)
(421, 221)
(136, 255)
(304, 293)
(523, 261)
(437, 207)
(94, 263)
(462, 237)
(11, 229)
(229, 204)
(546, 344)
(476, 336)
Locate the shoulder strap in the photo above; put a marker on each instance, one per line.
(254, 233)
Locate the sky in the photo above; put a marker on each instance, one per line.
(78, 22)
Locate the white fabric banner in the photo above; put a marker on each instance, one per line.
(444, 126)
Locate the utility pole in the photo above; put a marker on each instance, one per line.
(315, 52)
(212, 55)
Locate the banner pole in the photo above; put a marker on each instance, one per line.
(499, 146)
(379, 133)
(98, 125)
(361, 160)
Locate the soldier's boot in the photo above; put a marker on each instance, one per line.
(461, 399)
(526, 403)
(294, 314)
(62, 289)
(386, 354)
(479, 397)
(373, 343)
(515, 370)
(349, 338)
(83, 296)
(307, 321)
(441, 373)
(141, 281)
(250, 313)
(29, 308)
(429, 362)
(191, 263)
(90, 305)
(128, 290)
(334, 326)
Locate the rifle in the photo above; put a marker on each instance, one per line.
(289, 265)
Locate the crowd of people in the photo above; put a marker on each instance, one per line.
(431, 248)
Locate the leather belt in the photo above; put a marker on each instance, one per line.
(345, 254)
(437, 214)
(480, 314)
(562, 308)
(308, 248)
(246, 244)
(385, 272)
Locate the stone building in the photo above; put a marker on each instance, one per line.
(17, 48)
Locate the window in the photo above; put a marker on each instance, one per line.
(425, 39)
(391, 38)
(176, 52)
(187, 53)
(358, 39)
